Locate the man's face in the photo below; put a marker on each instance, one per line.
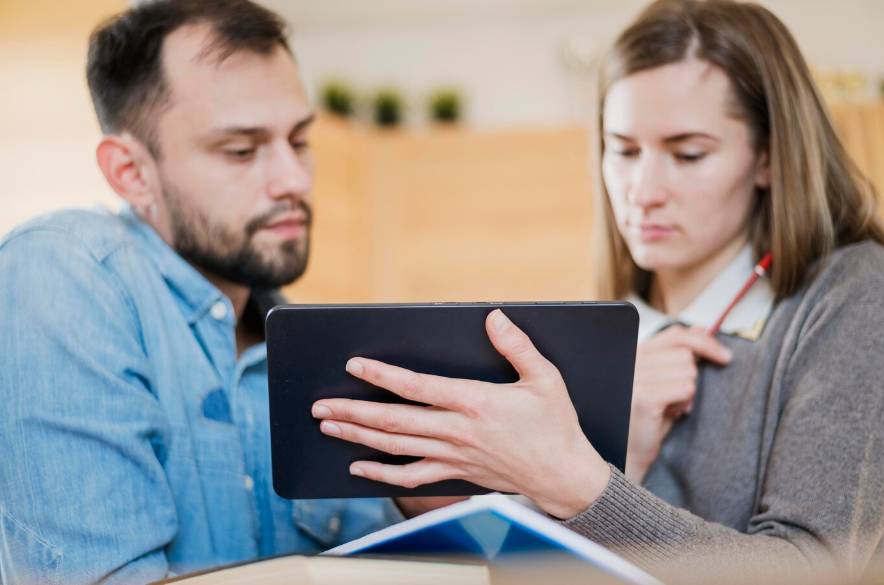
(235, 169)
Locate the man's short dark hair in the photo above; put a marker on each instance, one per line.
(124, 67)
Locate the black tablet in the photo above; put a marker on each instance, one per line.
(592, 344)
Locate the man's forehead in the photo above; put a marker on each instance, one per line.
(243, 83)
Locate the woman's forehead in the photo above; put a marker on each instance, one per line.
(685, 97)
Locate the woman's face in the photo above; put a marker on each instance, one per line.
(680, 170)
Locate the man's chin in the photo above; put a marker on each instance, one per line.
(280, 275)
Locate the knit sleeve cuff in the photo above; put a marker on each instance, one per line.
(633, 522)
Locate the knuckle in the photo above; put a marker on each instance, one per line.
(412, 386)
(374, 374)
(390, 422)
(344, 412)
(392, 447)
(687, 360)
(475, 405)
(520, 345)
(459, 438)
(410, 482)
(676, 332)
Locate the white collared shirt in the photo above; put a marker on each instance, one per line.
(745, 320)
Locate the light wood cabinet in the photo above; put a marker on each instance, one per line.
(447, 214)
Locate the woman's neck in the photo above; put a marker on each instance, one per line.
(672, 291)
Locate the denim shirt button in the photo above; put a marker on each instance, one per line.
(218, 311)
(249, 482)
(334, 524)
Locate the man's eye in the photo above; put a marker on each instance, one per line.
(690, 157)
(240, 153)
(300, 145)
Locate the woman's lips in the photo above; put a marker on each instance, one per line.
(653, 233)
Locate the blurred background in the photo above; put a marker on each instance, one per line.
(451, 151)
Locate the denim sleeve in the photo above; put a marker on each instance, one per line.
(83, 494)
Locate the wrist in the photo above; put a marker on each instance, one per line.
(583, 482)
(636, 468)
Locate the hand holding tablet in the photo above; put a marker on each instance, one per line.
(523, 437)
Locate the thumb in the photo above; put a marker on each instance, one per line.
(514, 345)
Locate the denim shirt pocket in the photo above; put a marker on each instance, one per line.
(321, 520)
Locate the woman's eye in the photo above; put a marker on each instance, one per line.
(690, 156)
(300, 145)
(625, 152)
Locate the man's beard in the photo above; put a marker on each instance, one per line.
(219, 250)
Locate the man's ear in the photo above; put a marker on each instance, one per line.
(762, 172)
(129, 169)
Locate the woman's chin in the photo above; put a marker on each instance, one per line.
(655, 258)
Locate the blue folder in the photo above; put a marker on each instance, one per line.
(491, 528)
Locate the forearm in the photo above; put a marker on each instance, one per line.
(677, 546)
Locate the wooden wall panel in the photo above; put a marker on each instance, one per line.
(447, 214)
(862, 128)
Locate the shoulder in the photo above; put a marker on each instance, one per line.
(842, 299)
(100, 233)
(70, 254)
(850, 272)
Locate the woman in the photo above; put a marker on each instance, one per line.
(716, 150)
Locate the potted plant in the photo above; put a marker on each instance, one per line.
(338, 97)
(446, 105)
(387, 107)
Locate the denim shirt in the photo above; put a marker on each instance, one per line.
(133, 442)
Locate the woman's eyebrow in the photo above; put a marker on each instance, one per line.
(688, 136)
(618, 136)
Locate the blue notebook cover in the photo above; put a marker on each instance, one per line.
(493, 528)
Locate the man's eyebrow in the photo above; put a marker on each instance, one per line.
(226, 131)
(304, 123)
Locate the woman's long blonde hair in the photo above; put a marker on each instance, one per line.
(817, 200)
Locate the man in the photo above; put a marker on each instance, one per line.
(134, 434)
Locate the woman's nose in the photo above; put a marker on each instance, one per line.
(648, 185)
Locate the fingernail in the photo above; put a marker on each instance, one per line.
(354, 367)
(357, 471)
(330, 428)
(321, 412)
(500, 321)
(726, 353)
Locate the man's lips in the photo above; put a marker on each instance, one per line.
(288, 227)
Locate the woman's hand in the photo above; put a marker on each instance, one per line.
(522, 437)
(664, 388)
(411, 507)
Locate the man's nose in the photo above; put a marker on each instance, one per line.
(649, 183)
(290, 172)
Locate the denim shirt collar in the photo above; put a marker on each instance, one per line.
(195, 295)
